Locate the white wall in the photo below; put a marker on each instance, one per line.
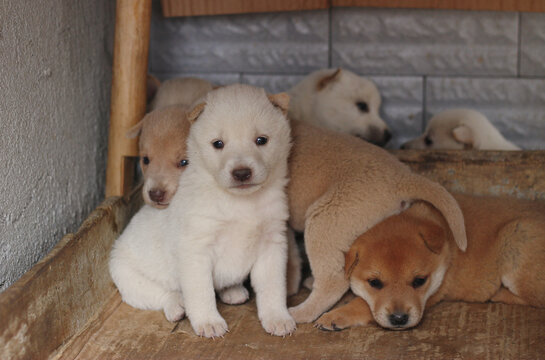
(423, 61)
(55, 77)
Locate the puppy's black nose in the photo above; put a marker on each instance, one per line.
(242, 174)
(387, 136)
(156, 195)
(398, 318)
(403, 146)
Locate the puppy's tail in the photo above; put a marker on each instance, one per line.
(420, 188)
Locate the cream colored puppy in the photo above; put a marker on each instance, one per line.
(458, 129)
(227, 219)
(342, 101)
(179, 91)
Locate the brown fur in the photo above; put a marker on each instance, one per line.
(340, 187)
(163, 133)
(503, 262)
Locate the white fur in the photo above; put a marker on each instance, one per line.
(457, 129)
(215, 233)
(334, 106)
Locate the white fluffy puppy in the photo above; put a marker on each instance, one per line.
(457, 129)
(227, 219)
(342, 101)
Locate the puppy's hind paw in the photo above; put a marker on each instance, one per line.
(174, 308)
(211, 329)
(280, 325)
(234, 295)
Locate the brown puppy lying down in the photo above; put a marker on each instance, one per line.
(341, 186)
(409, 262)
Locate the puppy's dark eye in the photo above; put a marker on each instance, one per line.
(419, 281)
(375, 283)
(428, 141)
(262, 140)
(145, 160)
(362, 106)
(183, 163)
(218, 144)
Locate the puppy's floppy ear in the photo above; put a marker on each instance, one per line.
(135, 131)
(196, 112)
(463, 134)
(328, 79)
(433, 236)
(351, 259)
(281, 101)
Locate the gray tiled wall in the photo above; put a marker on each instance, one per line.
(423, 61)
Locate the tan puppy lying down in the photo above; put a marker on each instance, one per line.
(340, 187)
(458, 129)
(409, 262)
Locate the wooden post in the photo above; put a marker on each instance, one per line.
(128, 101)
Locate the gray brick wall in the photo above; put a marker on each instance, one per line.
(423, 61)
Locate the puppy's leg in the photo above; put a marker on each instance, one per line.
(269, 282)
(355, 313)
(332, 224)
(522, 259)
(142, 293)
(234, 295)
(294, 264)
(199, 296)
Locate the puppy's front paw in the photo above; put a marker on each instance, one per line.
(234, 295)
(279, 325)
(332, 322)
(210, 328)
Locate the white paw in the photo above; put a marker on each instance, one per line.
(279, 325)
(234, 295)
(210, 328)
(174, 308)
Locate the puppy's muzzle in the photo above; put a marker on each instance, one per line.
(398, 319)
(156, 195)
(242, 174)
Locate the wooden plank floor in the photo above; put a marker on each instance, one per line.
(448, 331)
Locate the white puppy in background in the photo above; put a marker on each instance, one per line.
(227, 219)
(342, 101)
(458, 129)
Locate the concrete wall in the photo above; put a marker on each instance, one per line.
(55, 77)
(423, 61)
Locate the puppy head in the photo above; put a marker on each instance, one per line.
(241, 137)
(163, 152)
(454, 129)
(397, 265)
(349, 103)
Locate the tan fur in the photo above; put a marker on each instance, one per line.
(163, 135)
(184, 91)
(503, 262)
(340, 187)
(323, 82)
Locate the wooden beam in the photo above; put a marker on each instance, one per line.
(218, 7)
(128, 100)
(498, 5)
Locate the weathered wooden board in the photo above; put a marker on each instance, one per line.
(67, 308)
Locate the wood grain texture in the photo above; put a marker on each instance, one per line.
(498, 5)
(128, 99)
(55, 299)
(218, 7)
